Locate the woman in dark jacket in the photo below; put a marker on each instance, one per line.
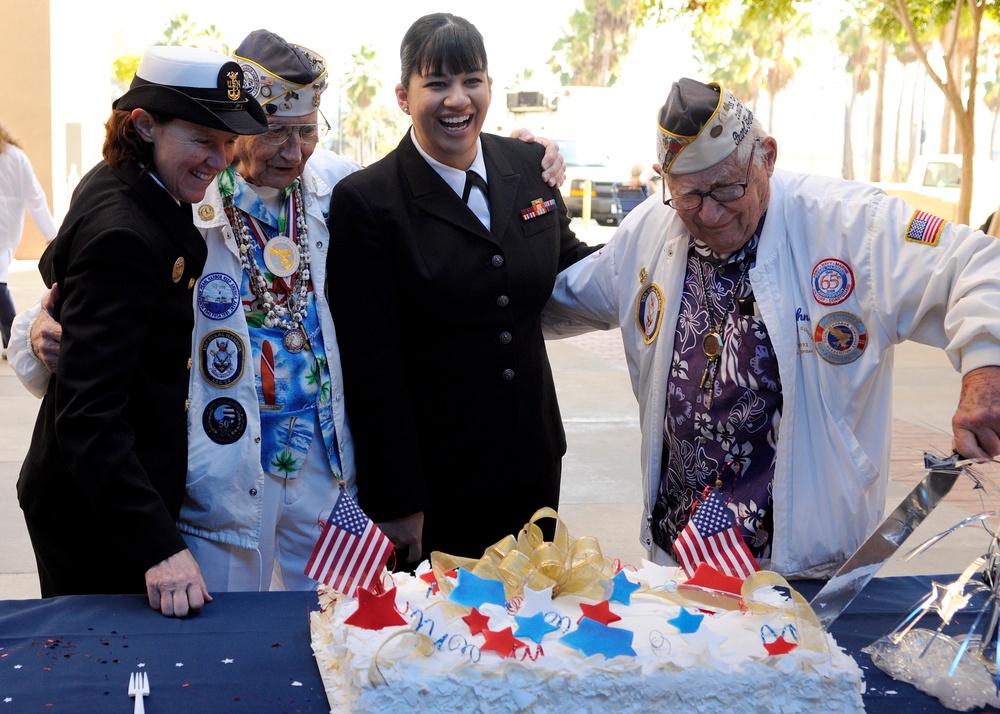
(103, 480)
(436, 282)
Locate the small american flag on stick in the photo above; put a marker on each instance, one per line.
(711, 537)
(351, 550)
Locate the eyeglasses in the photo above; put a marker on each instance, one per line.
(721, 194)
(309, 134)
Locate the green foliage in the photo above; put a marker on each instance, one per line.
(180, 30)
(599, 38)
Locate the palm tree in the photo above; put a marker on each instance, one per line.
(361, 88)
(180, 30)
(599, 38)
(853, 42)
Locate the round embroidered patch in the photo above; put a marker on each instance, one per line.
(251, 80)
(223, 356)
(218, 296)
(832, 281)
(840, 337)
(649, 312)
(225, 420)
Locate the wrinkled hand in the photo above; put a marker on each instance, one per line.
(405, 534)
(553, 163)
(46, 333)
(175, 586)
(976, 424)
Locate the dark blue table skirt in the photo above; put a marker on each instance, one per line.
(249, 652)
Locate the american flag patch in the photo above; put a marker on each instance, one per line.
(924, 228)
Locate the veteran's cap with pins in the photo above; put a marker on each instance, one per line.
(699, 126)
(286, 79)
(195, 85)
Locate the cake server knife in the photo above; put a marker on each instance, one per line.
(861, 567)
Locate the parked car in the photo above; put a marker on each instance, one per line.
(934, 181)
(584, 162)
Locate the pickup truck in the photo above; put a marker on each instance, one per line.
(933, 186)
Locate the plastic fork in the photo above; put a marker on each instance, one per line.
(138, 687)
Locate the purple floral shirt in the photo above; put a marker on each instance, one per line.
(734, 440)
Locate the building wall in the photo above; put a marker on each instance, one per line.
(27, 110)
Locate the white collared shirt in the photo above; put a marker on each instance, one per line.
(456, 179)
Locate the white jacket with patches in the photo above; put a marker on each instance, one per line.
(835, 431)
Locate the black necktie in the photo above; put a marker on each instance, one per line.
(474, 179)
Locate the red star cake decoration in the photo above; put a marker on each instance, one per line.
(430, 579)
(780, 646)
(705, 576)
(375, 611)
(601, 612)
(502, 642)
(477, 621)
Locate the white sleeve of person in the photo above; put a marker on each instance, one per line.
(32, 372)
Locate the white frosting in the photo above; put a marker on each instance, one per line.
(723, 666)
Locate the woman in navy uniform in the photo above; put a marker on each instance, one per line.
(436, 282)
(103, 480)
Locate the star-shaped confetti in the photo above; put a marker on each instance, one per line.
(601, 612)
(473, 591)
(431, 579)
(476, 621)
(375, 611)
(780, 646)
(623, 589)
(502, 642)
(534, 627)
(536, 601)
(227, 660)
(592, 638)
(658, 576)
(705, 576)
(706, 639)
(686, 623)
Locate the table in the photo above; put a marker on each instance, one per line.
(249, 652)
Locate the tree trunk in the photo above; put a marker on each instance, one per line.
(876, 166)
(847, 168)
(899, 121)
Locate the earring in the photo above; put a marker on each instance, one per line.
(406, 109)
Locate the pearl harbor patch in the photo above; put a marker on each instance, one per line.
(649, 312)
(223, 356)
(832, 281)
(218, 296)
(225, 420)
(840, 337)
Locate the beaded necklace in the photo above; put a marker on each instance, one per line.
(292, 311)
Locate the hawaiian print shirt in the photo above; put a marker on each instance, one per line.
(293, 388)
(733, 441)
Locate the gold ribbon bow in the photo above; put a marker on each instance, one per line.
(568, 565)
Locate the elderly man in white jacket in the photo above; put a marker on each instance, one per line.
(759, 310)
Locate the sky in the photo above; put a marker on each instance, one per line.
(520, 34)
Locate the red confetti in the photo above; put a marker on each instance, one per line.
(601, 612)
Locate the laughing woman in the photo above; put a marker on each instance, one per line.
(442, 256)
(103, 481)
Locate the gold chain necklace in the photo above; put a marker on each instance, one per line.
(712, 343)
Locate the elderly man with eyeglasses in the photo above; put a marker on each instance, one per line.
(269, 442)
(759, 311)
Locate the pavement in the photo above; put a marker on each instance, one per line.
(601, 485)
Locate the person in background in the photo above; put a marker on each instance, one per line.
(759, 310)
(19, 189)
(103, 480)
(442, 256)
(269, 441)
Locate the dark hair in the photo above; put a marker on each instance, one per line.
(440, 43)
(122, 143)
